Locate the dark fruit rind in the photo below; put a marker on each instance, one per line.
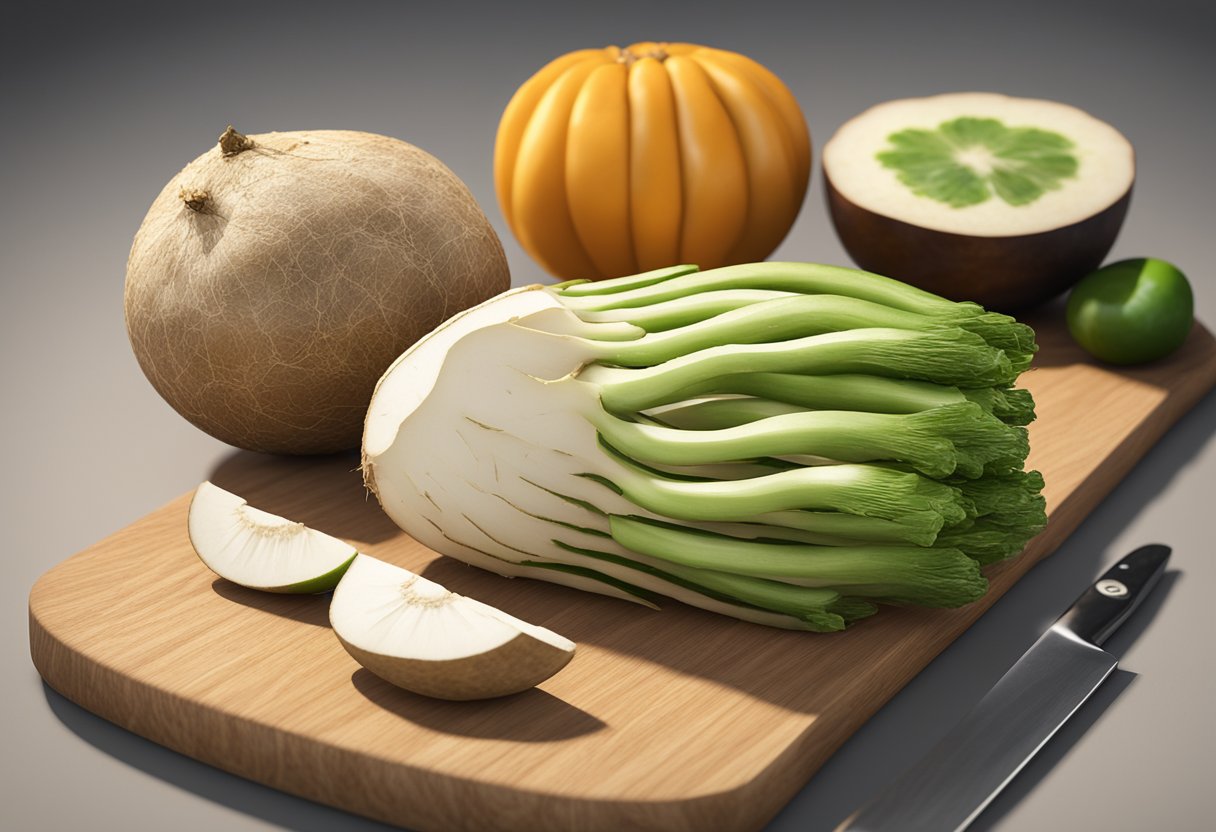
(1006, 274)
(271, 285)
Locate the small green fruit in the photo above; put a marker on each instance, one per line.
(1132, 311)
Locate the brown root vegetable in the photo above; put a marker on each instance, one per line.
(977, 196)
(278, 275)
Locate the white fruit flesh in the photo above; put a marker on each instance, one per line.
(418, 635)
(260, 550)
(1105, 171)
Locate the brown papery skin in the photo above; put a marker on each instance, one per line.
(1006, 274)
(268, 289)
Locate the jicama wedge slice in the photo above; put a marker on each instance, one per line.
(419, 636)
(404, 628)
(260, 550)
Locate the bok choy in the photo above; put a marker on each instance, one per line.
(786, 443)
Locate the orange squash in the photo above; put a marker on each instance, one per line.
(615, 161)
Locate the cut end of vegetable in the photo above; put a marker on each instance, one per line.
(417, 635)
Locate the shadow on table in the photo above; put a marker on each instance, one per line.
(307, 609)
(530, 716)
(288, 485)
(1056, 348)
(275, 807)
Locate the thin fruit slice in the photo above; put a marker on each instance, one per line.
(419, 636)
(978, 196)
(260, 550)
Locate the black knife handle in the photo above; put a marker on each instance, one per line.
(1107, 604)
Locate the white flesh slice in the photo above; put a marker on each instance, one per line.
(260, 550)
(1105, 173)
(419, 636)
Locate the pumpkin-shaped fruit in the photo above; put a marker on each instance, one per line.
(614, 161)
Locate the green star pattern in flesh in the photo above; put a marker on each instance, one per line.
(1024, 162)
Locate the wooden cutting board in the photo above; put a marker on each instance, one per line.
(677, 719)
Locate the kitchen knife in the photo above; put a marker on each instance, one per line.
(953, 783)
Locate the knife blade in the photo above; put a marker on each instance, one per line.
(950, 786)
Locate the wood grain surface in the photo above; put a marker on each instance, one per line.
(678, 719)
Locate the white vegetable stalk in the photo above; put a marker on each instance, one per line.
(784, 443)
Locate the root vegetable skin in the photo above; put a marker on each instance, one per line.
(277, 275)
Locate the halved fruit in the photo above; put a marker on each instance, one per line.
(260, 550)
(419, 636)
(978, 196)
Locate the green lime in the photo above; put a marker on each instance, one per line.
(1132, 311)
(966, 160)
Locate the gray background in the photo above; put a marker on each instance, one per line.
(101, 105)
